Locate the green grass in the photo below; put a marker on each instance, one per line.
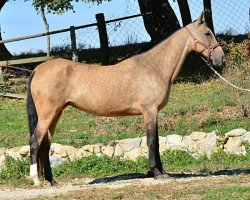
(15, 172)
(228, 193)
(173, 161)
(192, 107)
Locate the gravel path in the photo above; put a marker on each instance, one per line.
(62, 189)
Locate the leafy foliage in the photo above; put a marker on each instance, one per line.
(2, 87)
(238, 71)
(59, 6)
(15, 171)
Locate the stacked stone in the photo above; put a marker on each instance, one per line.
(196, 144)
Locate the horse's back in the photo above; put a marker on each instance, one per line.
(59, 65)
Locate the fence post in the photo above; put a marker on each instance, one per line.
(104, 44)
(73, 43)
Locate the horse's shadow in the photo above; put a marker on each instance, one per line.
(226, 172)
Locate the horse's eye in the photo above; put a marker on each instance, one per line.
(207, 33)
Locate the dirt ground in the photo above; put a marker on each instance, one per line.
(132, 186)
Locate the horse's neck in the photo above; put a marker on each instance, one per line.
(168, 56)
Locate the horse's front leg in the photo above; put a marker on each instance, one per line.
(155, 165)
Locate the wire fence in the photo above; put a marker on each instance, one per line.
(230, 21)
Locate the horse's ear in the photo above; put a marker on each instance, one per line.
(201, 19)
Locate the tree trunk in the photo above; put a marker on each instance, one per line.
(162, 22)
(2, 2)
(4, 53)
(46, 29)
(193, 63)
(208, 14)
(185, 12)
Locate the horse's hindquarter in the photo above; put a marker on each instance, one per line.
(50, 81)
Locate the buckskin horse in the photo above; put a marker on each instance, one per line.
(139, 85)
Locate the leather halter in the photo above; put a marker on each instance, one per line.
(209, 47)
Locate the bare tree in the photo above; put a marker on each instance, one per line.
(208, 14)
(185, 12)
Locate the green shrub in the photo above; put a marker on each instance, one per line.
(14, 171)
(237, 71)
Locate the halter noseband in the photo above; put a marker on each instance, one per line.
(209, 47)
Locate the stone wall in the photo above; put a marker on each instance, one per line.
(197, 144)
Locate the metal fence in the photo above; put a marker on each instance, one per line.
(230, 21)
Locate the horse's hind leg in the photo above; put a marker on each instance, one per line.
(46, 161)
(40, 142)
(36, 140)
(47, 168)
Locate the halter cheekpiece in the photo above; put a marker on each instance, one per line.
(210, 48)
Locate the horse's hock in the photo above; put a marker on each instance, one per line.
(196, 144)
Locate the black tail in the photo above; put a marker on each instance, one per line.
(31, 109)
(43, 150)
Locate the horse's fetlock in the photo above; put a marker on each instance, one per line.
(32, 139)
(151, 141)
(33, 146)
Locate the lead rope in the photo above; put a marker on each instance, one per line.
(225, 80)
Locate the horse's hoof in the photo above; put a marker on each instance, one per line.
(149, 174)
(35, 180)
(53, 183)
(162, 177)
(37, 184)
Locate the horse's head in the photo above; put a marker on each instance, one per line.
(204, 42)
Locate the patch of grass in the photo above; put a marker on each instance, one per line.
(173, 161)
(228, 193)
(99, 167)
(15, 172)
(179, 161)
(13, 123)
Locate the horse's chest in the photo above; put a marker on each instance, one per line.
(163, 98)
(157, 94)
